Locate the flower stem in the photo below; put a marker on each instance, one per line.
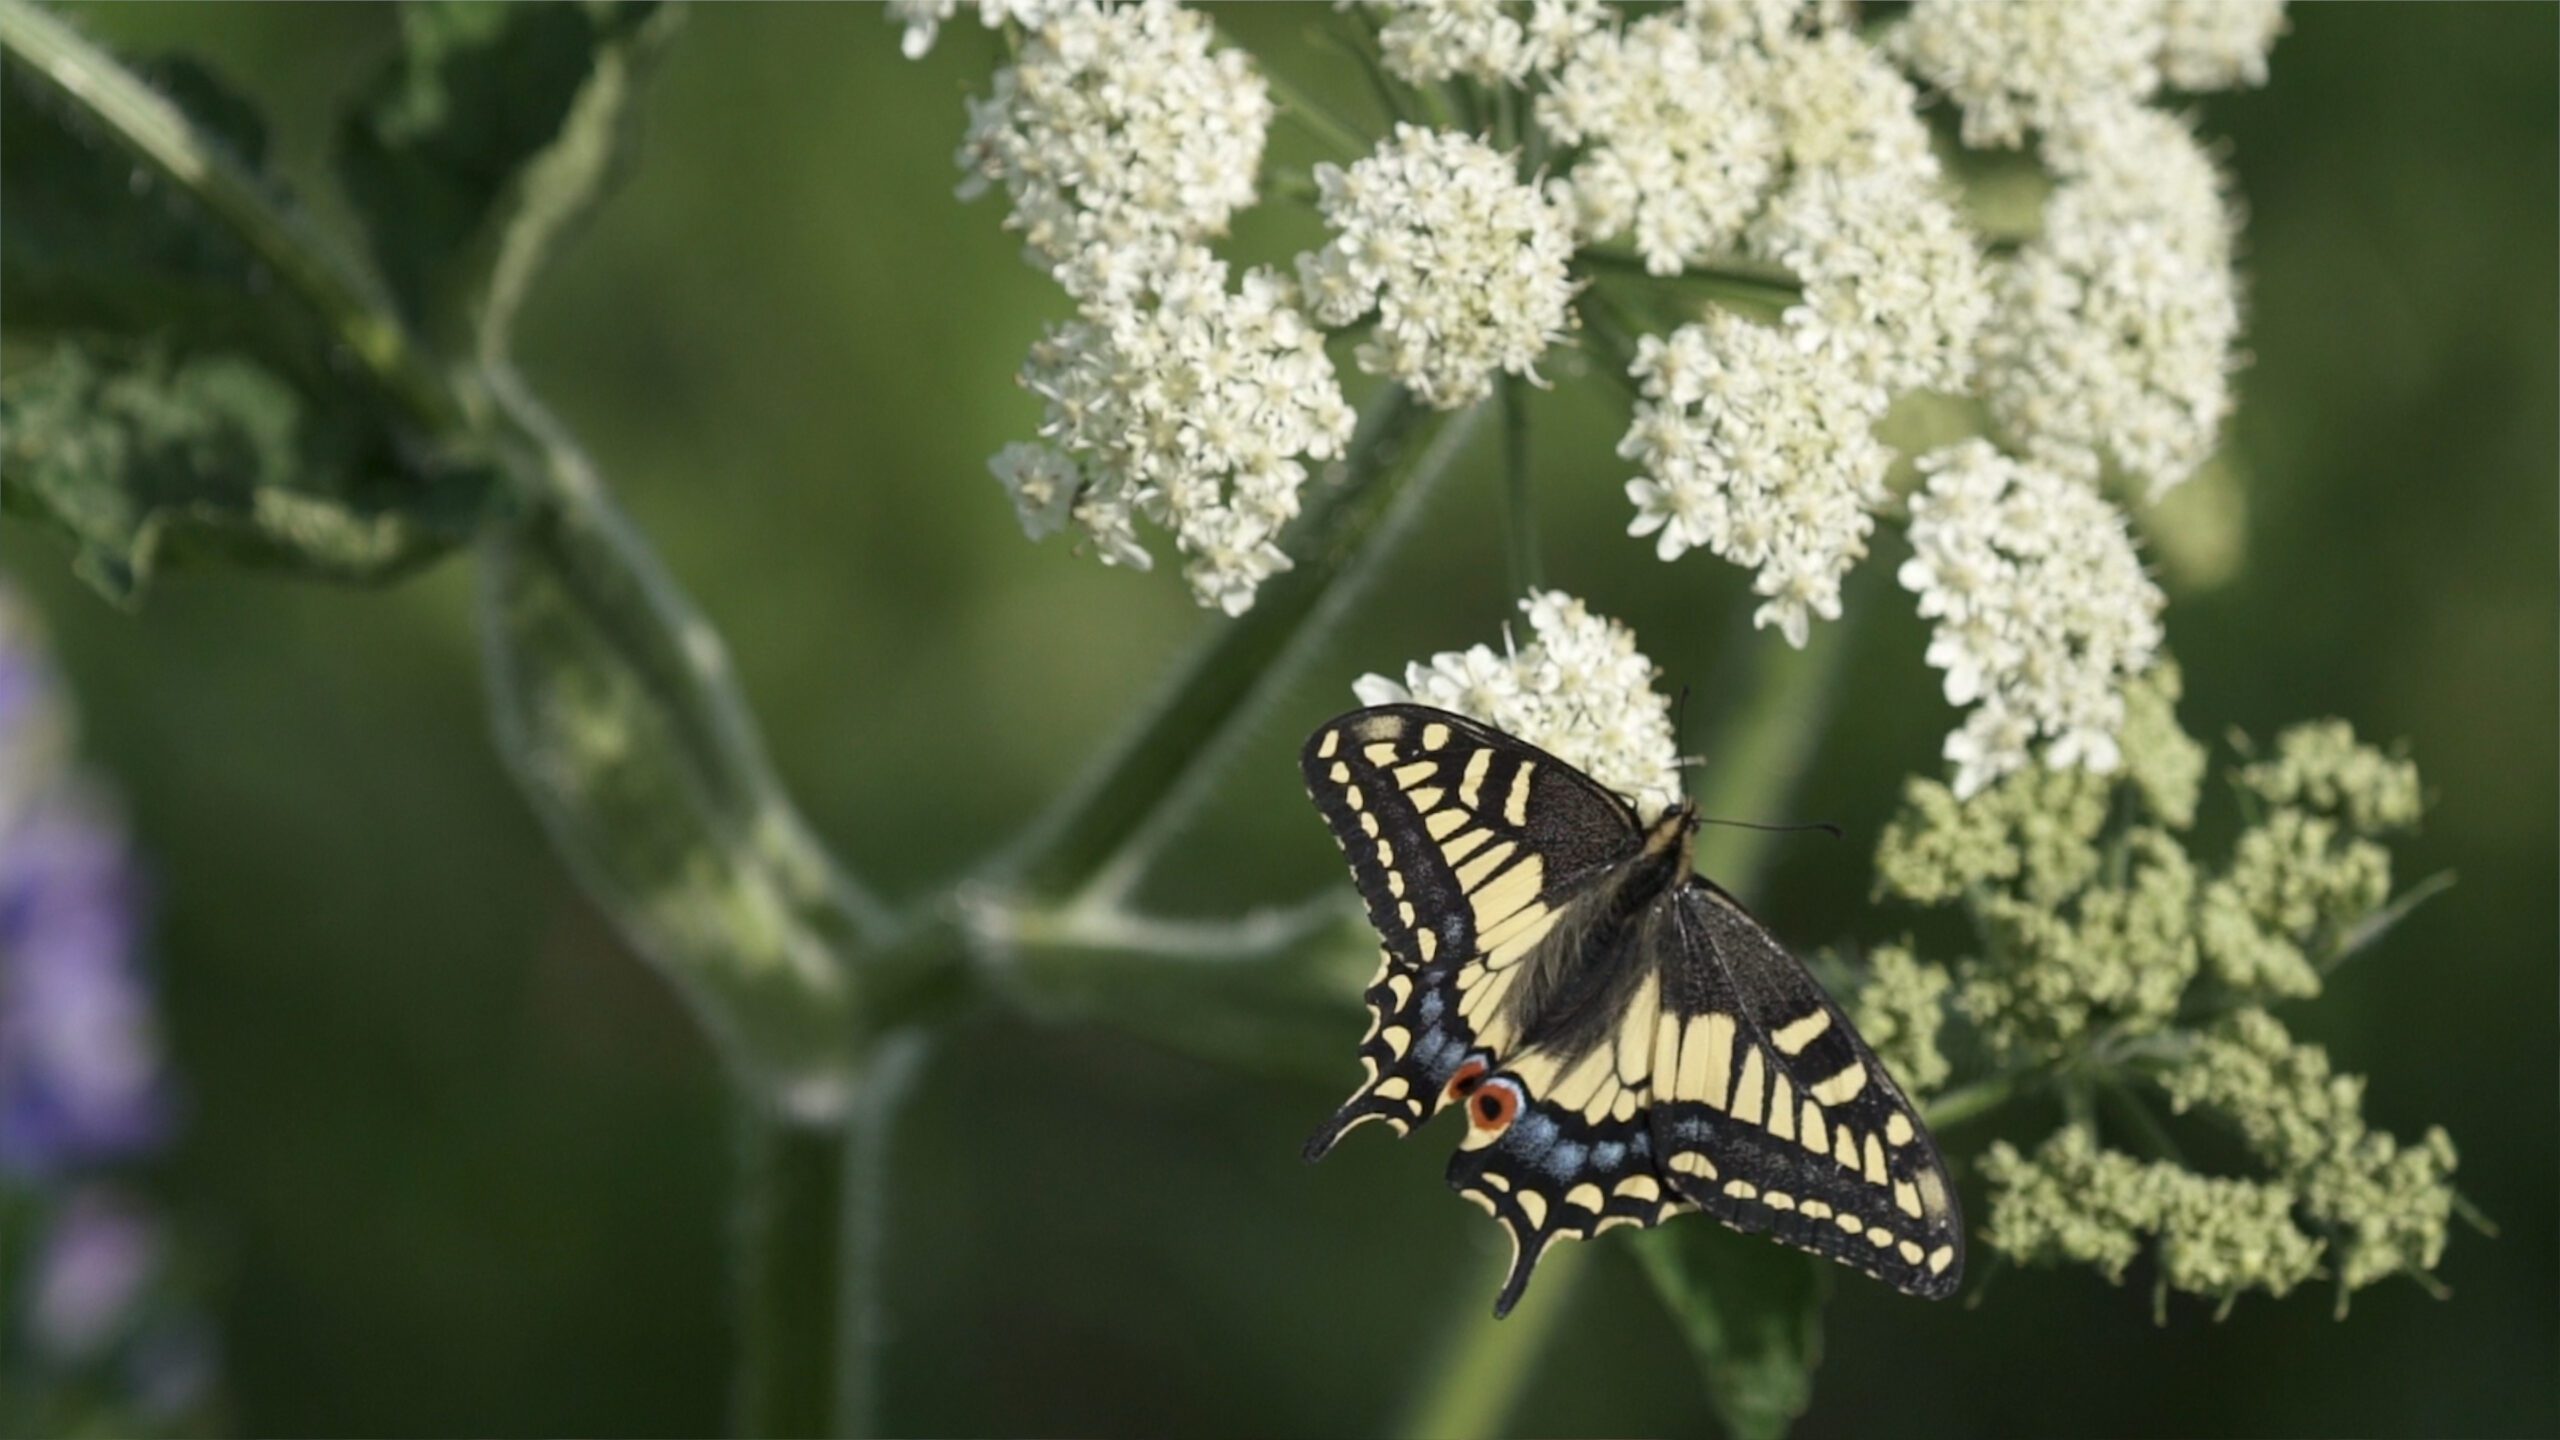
(1760, 752)
(790, 1193)
(1318, 121)
(1519, 517)
(1096, 841)
(862, 1231)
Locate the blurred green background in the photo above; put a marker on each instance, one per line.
(457, 1163)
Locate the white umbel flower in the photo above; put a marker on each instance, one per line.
(1579, 689)
(2116, 329)
(1758, 444)
(2218, 44)
(923, 18)
(1890, 273)
(1464, 265)
(1887, 265)
(2018, 65)
(1678, 148)
(1120, 137)
(1427, 41)
(1192, 405)
(2042, 610)
(1761, 22)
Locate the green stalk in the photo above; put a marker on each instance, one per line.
(1100, 831)
(1760, 752)
(862, 1232)
(790, 1194)
(1519, 517)
(812, 1214)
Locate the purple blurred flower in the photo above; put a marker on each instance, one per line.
(80, 1077)
(96, 1258)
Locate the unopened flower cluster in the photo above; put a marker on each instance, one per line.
(1579, 688)
(2112, 952)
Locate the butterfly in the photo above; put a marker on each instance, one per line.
(1624, 1040)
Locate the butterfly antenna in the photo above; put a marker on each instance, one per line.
(1825, 826)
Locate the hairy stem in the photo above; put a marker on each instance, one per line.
(1760, 751)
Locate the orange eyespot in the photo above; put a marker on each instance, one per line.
(1470, 1074)
(1494, 1106)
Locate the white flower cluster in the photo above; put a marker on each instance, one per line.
(2042, 608)
(1464, 265)
(2218, 44)
(2020, 65)
(1425, 41)
(1120, 137)
(1887, 264)
(2116, 328)
(923, 18)
(1579, 689)
(1762, 22)
(1758, 444)
(1189, 404)
(1679, 149)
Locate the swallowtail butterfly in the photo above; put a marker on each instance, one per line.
(1625, 1041)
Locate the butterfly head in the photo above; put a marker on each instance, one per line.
(1674, 835)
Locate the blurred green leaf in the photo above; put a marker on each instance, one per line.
(494, 129)
(93, 239)
(1751, 1312)
(154, 458)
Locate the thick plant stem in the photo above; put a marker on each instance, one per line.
(1096, 839)
(1759, 751)
(791, 1187)
(862, 1231)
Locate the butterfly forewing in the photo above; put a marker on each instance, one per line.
(1772, 1115)
(1465, 844)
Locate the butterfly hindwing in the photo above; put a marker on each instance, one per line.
(1464, 843)
(1772, 1115)
(1560, 1142)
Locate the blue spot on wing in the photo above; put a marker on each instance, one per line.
(1565, 1159)
(1532, 1136)
(1608, 1154)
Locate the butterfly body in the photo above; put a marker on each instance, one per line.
(1625, 1041)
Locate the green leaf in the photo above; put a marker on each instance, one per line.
(150, 459)
(1752, 1313)
(93, 239)
(494, 129)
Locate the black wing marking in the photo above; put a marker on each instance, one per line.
(1772, 1115)
(1562, 1146)
(1464, 843)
